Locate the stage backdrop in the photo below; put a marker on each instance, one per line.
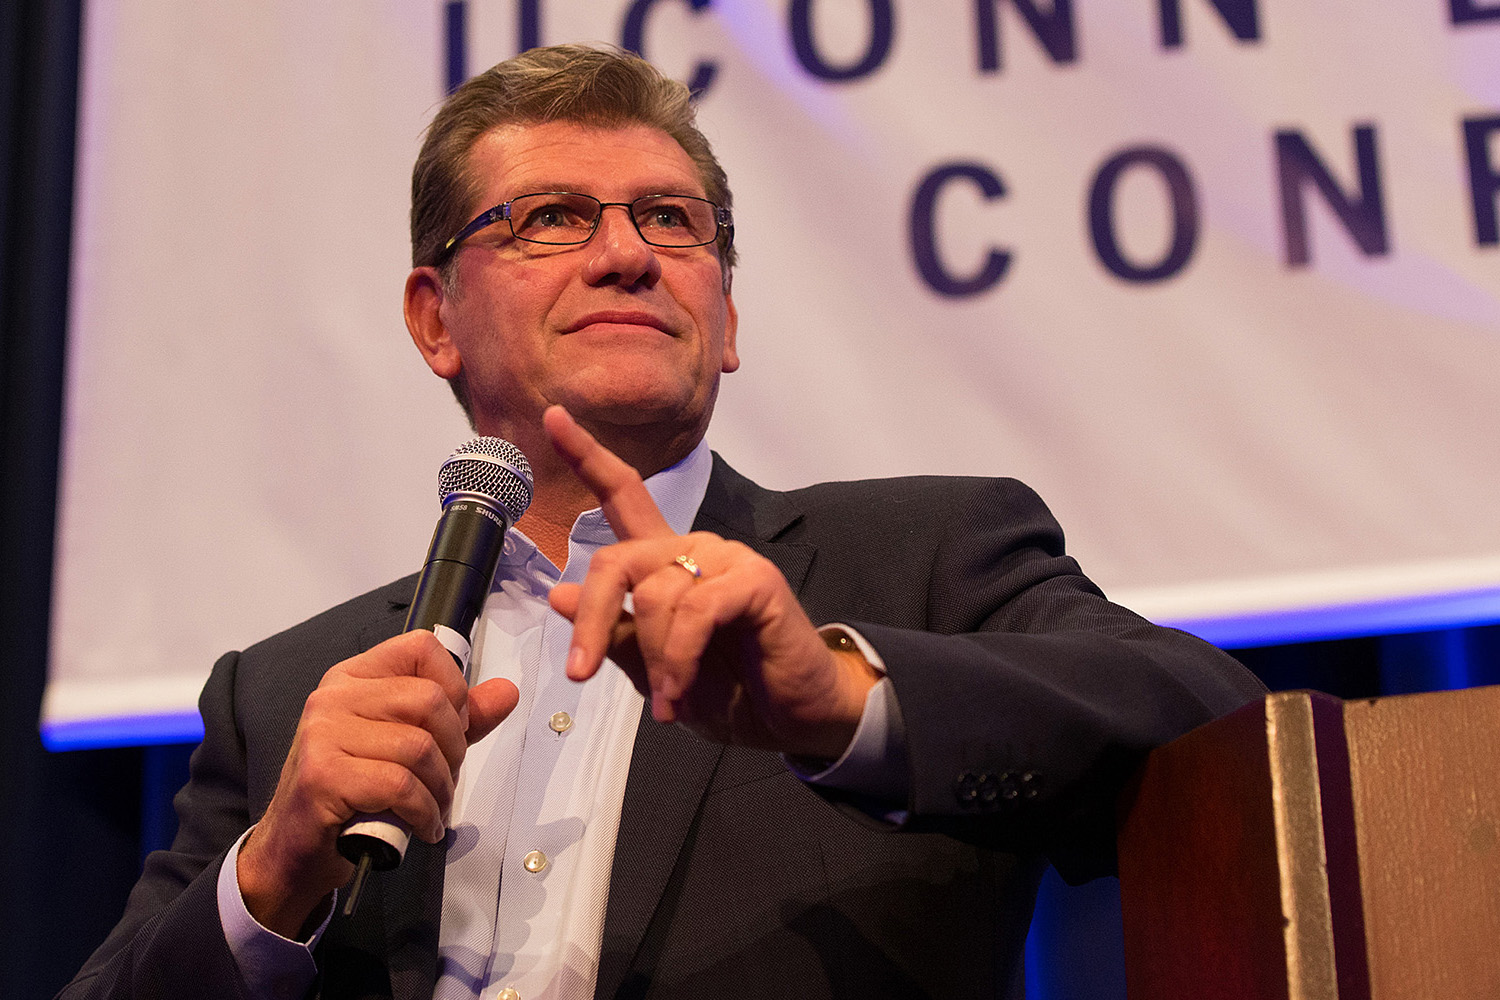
(1219, 278)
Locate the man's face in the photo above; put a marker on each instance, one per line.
(618, 331)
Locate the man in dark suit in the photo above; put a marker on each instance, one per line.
(853, 810)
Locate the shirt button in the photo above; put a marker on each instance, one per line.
(560, 722)
(534, 862)
(509, 993)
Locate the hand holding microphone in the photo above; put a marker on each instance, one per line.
(382, 737)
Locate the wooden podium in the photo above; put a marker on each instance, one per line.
(1309, 848)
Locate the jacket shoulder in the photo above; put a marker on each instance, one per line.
(932, 501)
(344, 629)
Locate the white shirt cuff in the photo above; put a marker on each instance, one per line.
(272, 967)
(874, 764)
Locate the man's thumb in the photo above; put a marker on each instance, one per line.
(489, 704)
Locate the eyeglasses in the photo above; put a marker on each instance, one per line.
(561, 218)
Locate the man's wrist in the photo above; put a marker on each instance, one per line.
(287, 912)
(270, 964)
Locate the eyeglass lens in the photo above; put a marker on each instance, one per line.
(662, 220)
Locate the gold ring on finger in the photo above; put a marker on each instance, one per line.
(687, 563)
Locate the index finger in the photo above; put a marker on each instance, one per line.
(621, 492)
(413, 654)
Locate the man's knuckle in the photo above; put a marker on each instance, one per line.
(607, 560)
(650, 593)
(763, 571)
(695, 601)
(315, 704)
(413, 745)
(433, 701)
(315, 771)
(406, 786)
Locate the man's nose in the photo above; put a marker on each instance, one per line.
(618, 253)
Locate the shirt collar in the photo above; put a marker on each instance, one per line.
(678, 491)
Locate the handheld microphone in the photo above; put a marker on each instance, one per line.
(485, 487)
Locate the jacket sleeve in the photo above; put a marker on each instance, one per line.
(1028, 698)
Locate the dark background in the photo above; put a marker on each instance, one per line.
(75, 825)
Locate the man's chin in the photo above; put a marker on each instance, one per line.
(627, 397)
(624, 412)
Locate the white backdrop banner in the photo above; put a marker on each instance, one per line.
(1219, 278)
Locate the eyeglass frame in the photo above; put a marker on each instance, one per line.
(723, 222)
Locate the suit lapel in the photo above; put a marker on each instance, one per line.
(669, 771)
(738, 509)
(670, 768)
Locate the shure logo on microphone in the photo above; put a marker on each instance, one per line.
(491, 515)
(463, 506)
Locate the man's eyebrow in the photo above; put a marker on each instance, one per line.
(691, 188)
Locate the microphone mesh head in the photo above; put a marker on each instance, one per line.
(490, 467)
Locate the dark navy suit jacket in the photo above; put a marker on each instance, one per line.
(1028, 700)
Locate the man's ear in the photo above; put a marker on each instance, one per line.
(422, 306)
(731, 359)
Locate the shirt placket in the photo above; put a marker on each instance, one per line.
(487, 782)
(547, 822)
